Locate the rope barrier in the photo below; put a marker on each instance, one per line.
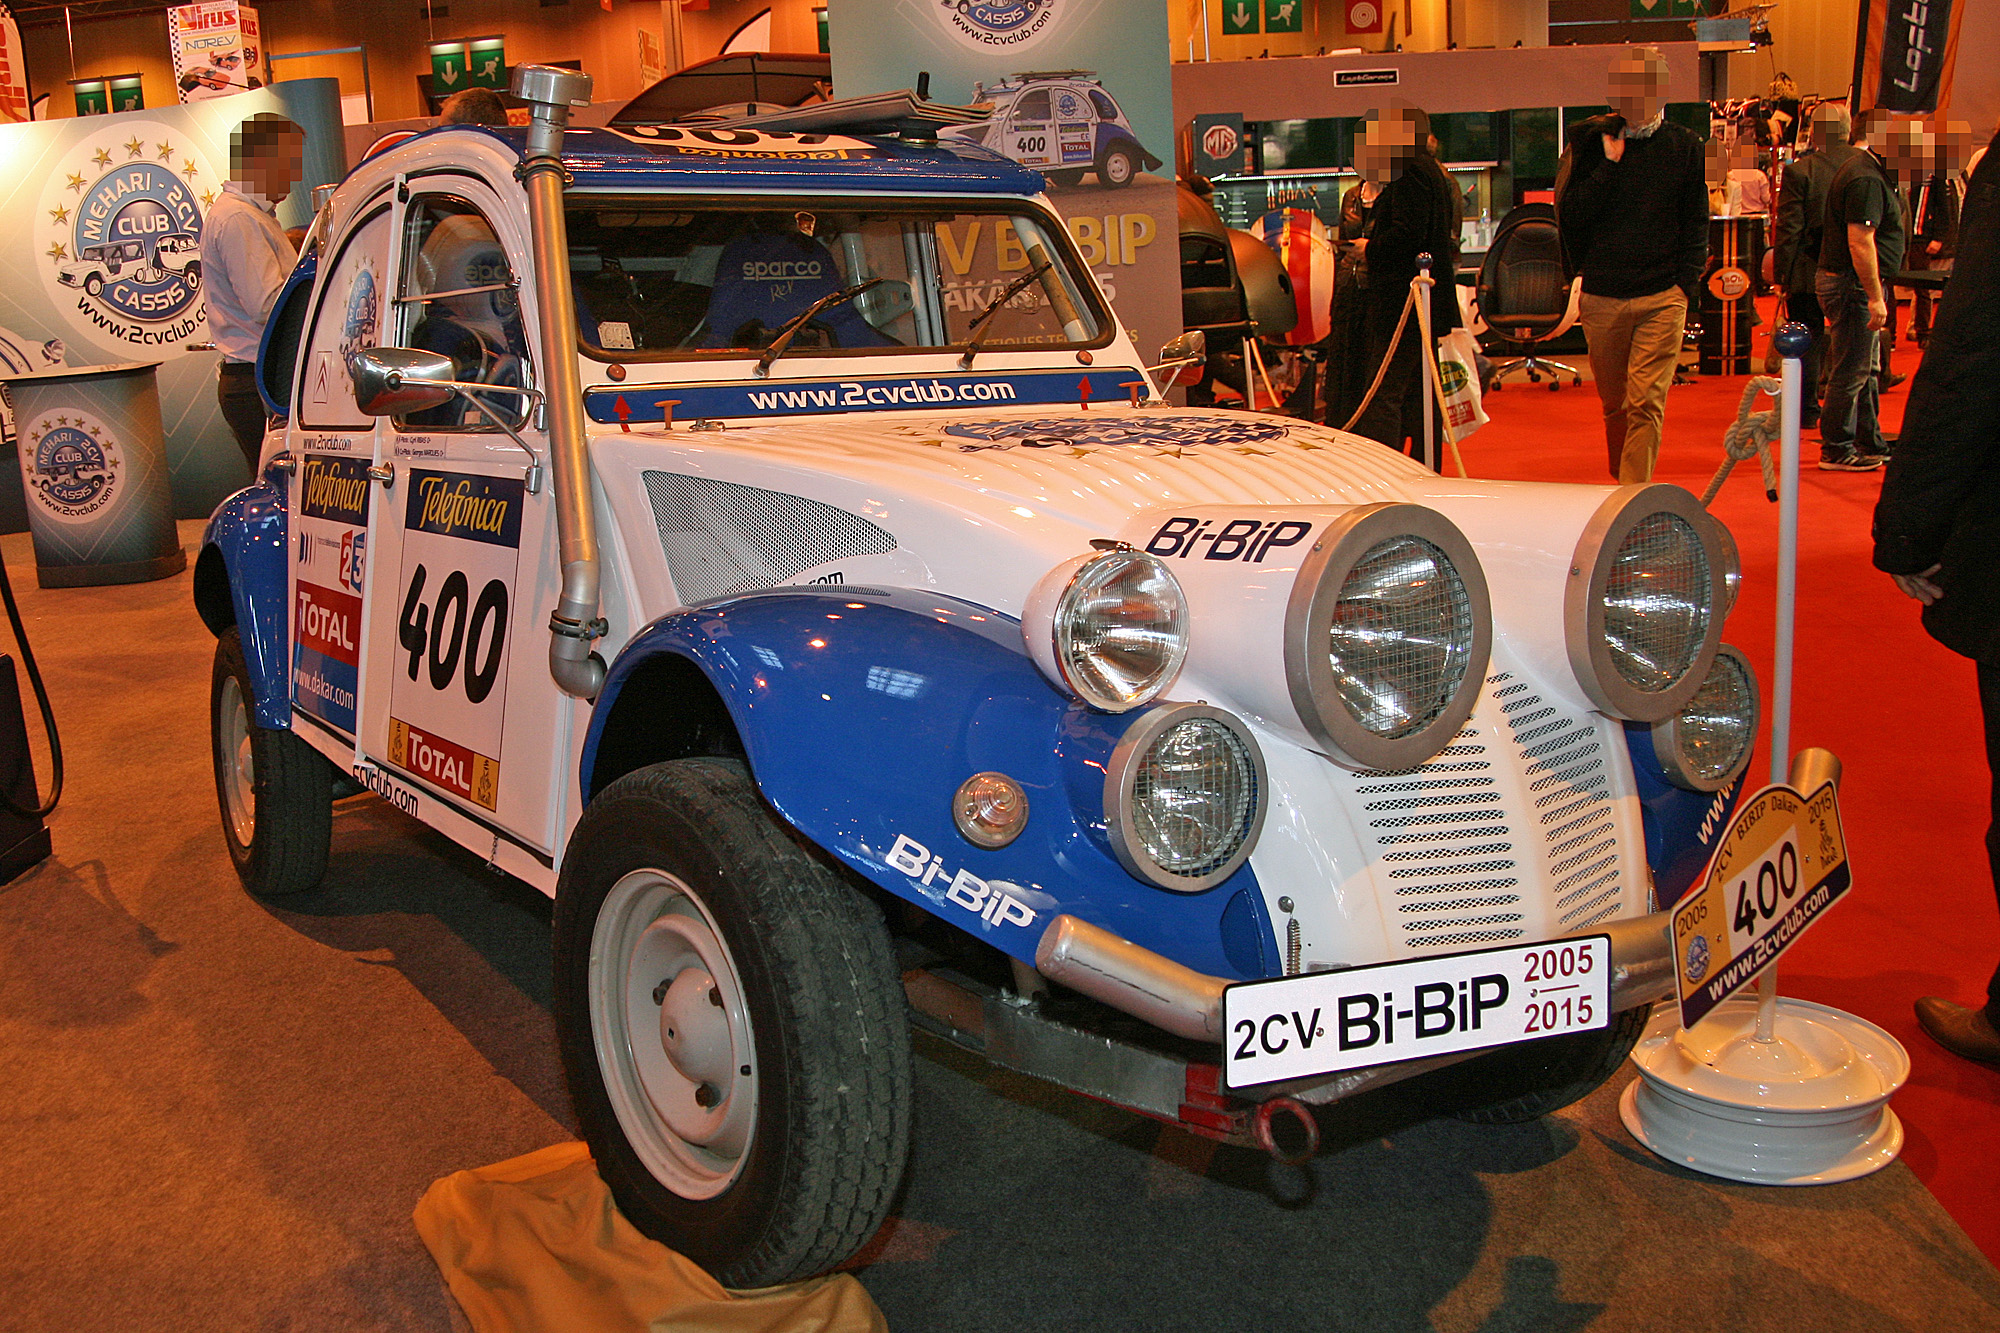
(1436, 379)
(1750, 434)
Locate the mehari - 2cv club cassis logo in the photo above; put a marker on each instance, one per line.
(123, 217)
(998, 23)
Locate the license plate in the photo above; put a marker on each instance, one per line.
(1326, 1022)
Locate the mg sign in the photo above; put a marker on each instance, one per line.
(1217, 145)
(1221, 141)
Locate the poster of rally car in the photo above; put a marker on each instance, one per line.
(1063, 123)
(447, 700)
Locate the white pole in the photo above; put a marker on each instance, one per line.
(1793, 347)
(1421, 286)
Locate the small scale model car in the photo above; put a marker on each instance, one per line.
(179, 253)
(1063, 123)
(768, 542)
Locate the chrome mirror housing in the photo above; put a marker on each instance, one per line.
(1190, 349)
(394, 381)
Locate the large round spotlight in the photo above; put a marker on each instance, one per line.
(1648, 589)
(1387, 635)
(1184, 796)
(1110, 627)
(1707, 743)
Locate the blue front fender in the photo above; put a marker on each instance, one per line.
(248, 532)
(861, 710)
(1682, 827)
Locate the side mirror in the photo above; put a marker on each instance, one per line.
(394, 381)
(1191, 348)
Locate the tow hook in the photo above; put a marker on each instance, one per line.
(1293, 1145)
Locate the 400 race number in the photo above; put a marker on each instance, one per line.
(1325, 1022)
(447, 702)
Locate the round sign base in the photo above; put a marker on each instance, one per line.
(1808, 1107)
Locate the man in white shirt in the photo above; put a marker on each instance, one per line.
(245, 259)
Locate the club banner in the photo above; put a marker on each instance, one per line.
(1904, 54)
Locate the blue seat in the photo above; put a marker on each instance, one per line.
(766, 278)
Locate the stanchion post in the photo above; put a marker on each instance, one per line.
(1791, 341)
(1421, 293)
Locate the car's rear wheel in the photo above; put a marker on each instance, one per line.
(193, 275)
(1532, 1079)
(275, 791)
(731, 1023)
(1118, 164)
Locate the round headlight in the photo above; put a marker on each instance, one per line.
(1184, 796)
(1708, 742)
(1110, 627)
(1646, 596)
(1387, 635)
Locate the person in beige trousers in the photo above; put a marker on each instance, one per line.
(1632, 210)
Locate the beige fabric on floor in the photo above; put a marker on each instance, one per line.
(535, 1245)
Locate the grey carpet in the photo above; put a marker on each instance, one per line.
(217, 1114)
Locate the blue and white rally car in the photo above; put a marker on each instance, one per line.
(768, 543)
(1063, 123)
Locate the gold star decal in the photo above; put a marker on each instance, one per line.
(76, 182)
(188, 168)
(207, 198)
(1174, 452)
(1246, 449)
(59, 214)
(101, 158)
(166, 152)
(1308, 444)
(57, 253)
(1079, 453)
(62, 421)
(134, 147)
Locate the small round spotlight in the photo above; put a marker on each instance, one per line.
(990, 809)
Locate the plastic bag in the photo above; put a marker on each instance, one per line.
(1458, 375)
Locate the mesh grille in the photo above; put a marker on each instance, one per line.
(1401, 636)
(1656, 602)
(721, 538)
(1194, 797)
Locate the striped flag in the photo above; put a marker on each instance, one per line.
(1904, 51)
(1306, 252)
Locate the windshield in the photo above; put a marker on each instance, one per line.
(658, 279)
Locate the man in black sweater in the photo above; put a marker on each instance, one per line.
(1801, 212)
(1937, 526)
(1861, 248)
(1632, 206)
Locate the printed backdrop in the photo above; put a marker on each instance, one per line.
(102, 215)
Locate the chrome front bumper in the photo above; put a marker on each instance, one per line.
(1188, 1003)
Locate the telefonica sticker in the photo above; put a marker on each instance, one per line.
(1360, 78)
(119, 234)
(998, 23)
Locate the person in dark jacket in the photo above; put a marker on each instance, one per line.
(1632, 211)
(1801, 211)
(1937, 525)
(1415, 214)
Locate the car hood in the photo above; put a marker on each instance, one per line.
(987, 504)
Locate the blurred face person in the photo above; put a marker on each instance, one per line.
(1388, 144)
(1639, 86)
(1909, 150)
(1830, 124)
(268, 158)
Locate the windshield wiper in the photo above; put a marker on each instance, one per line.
(790, 328)
(978, 329)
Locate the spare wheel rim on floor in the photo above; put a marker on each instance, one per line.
(673, 1034)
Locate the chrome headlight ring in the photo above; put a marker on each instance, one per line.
(1155, 816)
(1647, 592)
(1110, 627)
(1707, 742)
(1383, 673)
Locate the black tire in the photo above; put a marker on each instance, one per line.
(275, 792)
(1118, 164)
(1526, 1082)
(193, 275)
(93, 284)
(1065, 176)
(680, 869)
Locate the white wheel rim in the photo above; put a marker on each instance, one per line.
(681, 1071)
(1119, 168)
(233, 759)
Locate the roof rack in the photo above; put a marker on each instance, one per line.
(906, 115)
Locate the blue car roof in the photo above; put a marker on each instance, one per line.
(694, 158)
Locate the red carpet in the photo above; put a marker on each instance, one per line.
(1899, 710)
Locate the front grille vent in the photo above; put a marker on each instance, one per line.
(1569, 786)
(721, 538)
(1449, 847)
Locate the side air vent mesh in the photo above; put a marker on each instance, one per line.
(1569, 787)
(721, 538)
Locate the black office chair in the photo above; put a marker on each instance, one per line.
(1524, 296)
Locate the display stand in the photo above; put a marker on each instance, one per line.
(94, 466)
(1769, 1091)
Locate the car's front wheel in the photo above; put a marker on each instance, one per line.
(731, 1023)
(193, 275)
(275, 791)
(93, 284)
(1533, 1079)
(1118, 164)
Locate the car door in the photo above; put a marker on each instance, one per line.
(461, 546)
(1028, 129)
(333, 445)
(1075, 128)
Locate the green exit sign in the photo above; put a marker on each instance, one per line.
(478, 62)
